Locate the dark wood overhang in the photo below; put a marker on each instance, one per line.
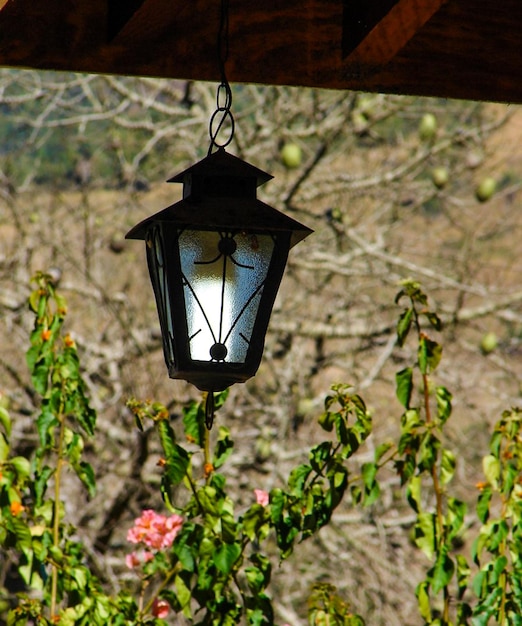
(455, 48)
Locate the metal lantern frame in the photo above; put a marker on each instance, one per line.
(219, 196)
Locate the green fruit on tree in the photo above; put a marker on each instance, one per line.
(360, 123)
(488, 343)
(291, 155)
(428, 127)
(440, 177)
(486, 189)
(368, 106)
(305, 407)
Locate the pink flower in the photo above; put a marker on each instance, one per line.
(135, 559)
(155, 530)
(132, 560)
(160, 608)
(261, 497)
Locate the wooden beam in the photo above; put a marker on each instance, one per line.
(118, 14)
(390, 35)
(469, 49)
(459, 48)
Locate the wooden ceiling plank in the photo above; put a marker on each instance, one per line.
(50, 35)
(119, 13)
(470, 49)
(460, 48)
(169, 38)
(391, 34)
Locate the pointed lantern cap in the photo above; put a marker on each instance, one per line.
(219, 192)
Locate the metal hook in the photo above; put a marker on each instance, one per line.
(209, 410)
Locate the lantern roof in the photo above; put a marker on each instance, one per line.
(222, 163)
(219, 193)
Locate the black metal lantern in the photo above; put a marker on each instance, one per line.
(216, 259)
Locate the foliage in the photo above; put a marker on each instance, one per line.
(422, 458)
(204, 561)
(208, 562)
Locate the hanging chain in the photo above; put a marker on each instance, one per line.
(222, 115)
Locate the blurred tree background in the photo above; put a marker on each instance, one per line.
(393, 187)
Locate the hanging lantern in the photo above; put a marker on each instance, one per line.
(216, 259)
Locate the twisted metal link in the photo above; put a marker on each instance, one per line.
(221, 117)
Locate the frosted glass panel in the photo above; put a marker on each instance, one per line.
(223, 275)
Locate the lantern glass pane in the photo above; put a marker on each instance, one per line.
(223, 277)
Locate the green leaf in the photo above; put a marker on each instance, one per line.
(411, 420)
(264, 565)
(447, 466)
(40, 376)
(423, 600)
(187, 545)
(499, 530)
(183, 594)
(381, 450)
(404, 386)
(429, 354)
(444, 407)
(372, 493)
(483, 503)
(428, 451)
(404, 325)
(226, 556)
(86, 474)
(220, 398)
(229, 526)
(45, 422)
(297, 479)
(167, 437)
(255, 579)
(491, 469)
(25, 567)
(499, 566)
(5, 420)
(4, 448)
(443, 570)
(510, 477)
(319, 455)
(369, 472)
(456, 512)
(255, 521)
(224, 447)
(210, 501)
(194, 423)
(425, 534)
(412, 289)
(41, 481)
(433, 319)
(79, 576)
(84, 414)
(463, 574)
(21, 465)
(176, 465)
(414, 493)
(327, 421)
(22, 533)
